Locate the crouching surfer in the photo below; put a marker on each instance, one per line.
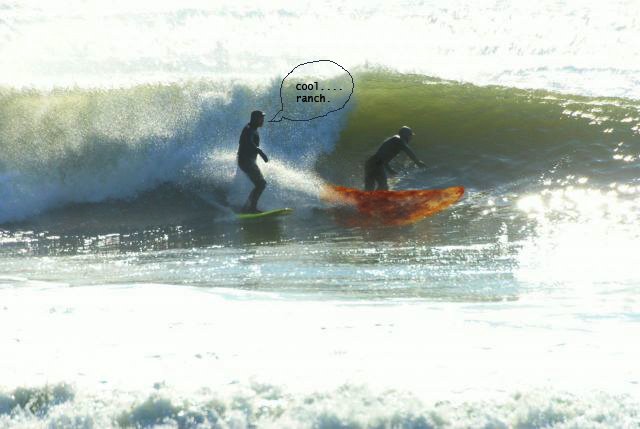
(377, 166)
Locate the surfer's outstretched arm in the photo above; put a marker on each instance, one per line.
(412, 155)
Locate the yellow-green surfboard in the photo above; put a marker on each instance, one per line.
(267, 214)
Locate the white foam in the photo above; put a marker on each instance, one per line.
(85, 146)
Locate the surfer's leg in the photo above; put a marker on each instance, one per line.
(381, 178)
(256, 177)
(254, 196)
(369, 175)
(369, 183)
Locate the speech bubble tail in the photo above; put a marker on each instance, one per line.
(277, 115)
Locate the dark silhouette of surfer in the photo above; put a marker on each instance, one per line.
(248, 151)
(377, 166)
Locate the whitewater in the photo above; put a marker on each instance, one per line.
(130, 296)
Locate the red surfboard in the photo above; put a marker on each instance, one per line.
(392, 207)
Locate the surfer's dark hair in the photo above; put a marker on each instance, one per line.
(255, 115)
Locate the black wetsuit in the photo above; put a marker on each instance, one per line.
(375, 168)
(248, 150)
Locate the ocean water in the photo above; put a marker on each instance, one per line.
(130, 296)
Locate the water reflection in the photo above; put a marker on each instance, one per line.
(582, 236)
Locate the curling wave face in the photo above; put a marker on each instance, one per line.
(76, 146)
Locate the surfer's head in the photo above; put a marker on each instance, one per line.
(257, 118)
(406, 133)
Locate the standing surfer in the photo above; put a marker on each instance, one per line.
(377, 166)
(248, 150)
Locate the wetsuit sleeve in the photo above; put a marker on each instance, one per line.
(410, 153)
(255, 142)
(260, 152)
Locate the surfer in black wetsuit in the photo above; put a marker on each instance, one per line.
(248, 150)
(377, 166)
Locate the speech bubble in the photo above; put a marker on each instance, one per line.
(314, 89)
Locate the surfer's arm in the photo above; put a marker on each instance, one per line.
(262, 154)
(255, 144)
(412, 155)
